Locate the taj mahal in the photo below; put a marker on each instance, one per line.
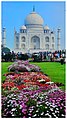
(34, 36)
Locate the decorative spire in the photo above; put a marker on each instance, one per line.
(33, 8)
(14, 30)
(58, 38)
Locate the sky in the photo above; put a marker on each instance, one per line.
(14, 13)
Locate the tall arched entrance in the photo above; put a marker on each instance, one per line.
(35, 42)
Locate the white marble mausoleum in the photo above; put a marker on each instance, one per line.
(34, 36)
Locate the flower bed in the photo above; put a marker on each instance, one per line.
(31, 94)
(24, 79)
(24, 95)
(34, 103)
(23, 66)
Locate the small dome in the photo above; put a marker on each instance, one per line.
(34, 19)
(46, 28)
(23, 27)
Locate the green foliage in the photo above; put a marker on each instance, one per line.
(4, 69)
(5, 50)
(31, 102)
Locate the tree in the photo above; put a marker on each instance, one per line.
(5, 50)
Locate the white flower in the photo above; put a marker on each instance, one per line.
(13, 115)
(11, 112)
(50, 116)
(37, 105)
(13, 98)
(40, 105)
(57, 109)
(13, 109)
(36, 110)
(46, 103)
(47, 114)
(55, 115)
(8, 101)
(47, 111)
(20, 106)
(12, 94)
(9, 96)
(49, 82)
(8, 105)
(51, 109)
(42, 113)
(34, 115)
(42, 80)
(46, 107)
(62, 115)
(54, 106)
(39, 102)
(41, 97)
(49, 103)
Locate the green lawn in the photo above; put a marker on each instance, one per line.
(4, 68)
(54, 70)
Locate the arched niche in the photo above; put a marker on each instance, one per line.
(35, 42)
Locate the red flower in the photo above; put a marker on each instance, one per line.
(44, 85)
(8, 85)
(21, 86)
(26, 80)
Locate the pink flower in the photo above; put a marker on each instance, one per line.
(60, 107)
(24, 111)
(24, 116)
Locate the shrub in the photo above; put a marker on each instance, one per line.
(23, 66)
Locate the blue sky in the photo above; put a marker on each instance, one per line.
(14, 13)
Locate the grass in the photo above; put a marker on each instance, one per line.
(54, 70)
(4, 69)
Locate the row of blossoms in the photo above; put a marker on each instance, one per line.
(31, 94)
(34, 103)
(23, 66)
(24, 79)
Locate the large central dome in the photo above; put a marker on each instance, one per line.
(34, 19)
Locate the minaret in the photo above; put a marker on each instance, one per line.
(58, 39)
(4, 37)
(14, 38)
(33, 8)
